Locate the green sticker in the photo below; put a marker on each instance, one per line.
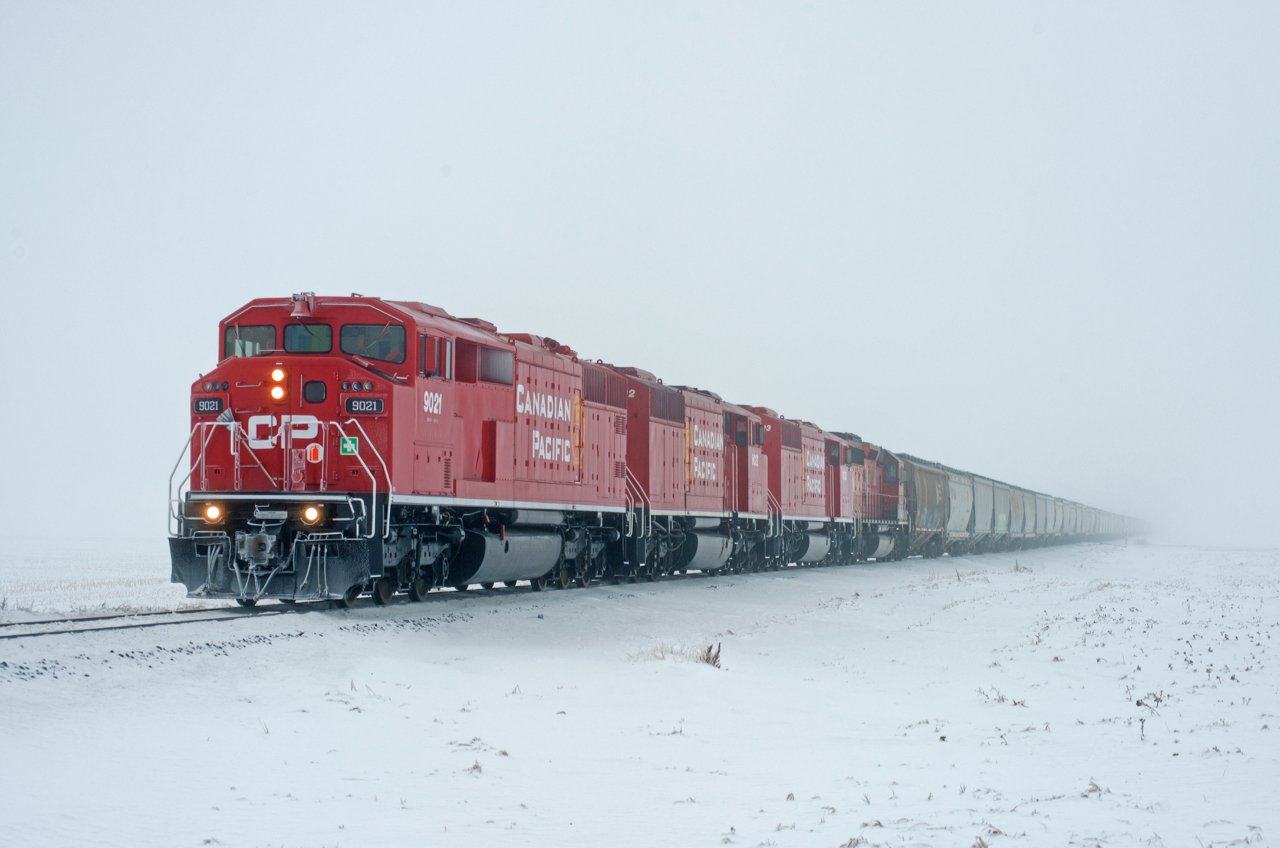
(350, 446)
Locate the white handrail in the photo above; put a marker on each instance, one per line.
(390, 488)
(234, 428)
(646, 504)
(773, 503)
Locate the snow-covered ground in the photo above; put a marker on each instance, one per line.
(1090, 695)
(43, 577)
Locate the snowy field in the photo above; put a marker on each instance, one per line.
(87, 577)
(1090, 695)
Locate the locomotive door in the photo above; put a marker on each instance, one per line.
(433, 433)
(834, 472)
(736, 467)
(304, 448)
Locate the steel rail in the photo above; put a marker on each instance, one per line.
(230, 616)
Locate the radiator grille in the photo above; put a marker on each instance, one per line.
(448, 473)
(667, 404)
(620, 425)
(619, 469)
(790, 435)
(603, 386)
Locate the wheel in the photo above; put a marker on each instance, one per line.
(565, 576)
(631, 578)
(462, 587)
(510, 584)
(418, 589)
(586, 573)
(382, 592)
(288, 601)
(349, 597)
(486, 586)
(246, 602)
(538, 584)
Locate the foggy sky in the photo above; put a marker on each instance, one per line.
(1035, 241)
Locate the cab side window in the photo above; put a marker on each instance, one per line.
(435, 357)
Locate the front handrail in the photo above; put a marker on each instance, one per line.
(373, 478)
(235, 431)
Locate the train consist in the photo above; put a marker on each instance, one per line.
(353, 445)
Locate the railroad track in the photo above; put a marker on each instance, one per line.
(128, 620)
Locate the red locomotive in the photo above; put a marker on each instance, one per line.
(352, 445)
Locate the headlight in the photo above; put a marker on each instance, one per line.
(277, 392)
(212, 513)
(277, 374)
(311, 514)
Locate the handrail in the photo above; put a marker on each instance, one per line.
(773, 502)
(646, 505)
(234, 430)
(629, 502)
(373, 479)
(390, 488)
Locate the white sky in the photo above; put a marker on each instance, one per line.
(1037, 241)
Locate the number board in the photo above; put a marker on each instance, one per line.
(207, 405)
(364, 405)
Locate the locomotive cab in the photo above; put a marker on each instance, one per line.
(289, 450)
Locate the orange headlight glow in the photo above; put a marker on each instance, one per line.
(277, 374)
(277, 392)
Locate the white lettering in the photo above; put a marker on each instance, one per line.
(544, 406)
(301, 428)
(704, 470)
(310, 427)
(432, 401)
(712, 439)
(256, 442)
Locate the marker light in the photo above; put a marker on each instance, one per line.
(212, 512)
(277, 392)
(311, 514)
(207, 385)
(346, 387)
(277, 374)
(368, 387)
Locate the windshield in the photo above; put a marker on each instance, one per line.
(308, 338)
(384, 342)
(251, 340)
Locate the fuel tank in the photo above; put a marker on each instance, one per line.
(488, 558)
(709, 551)
(884, 547)
(819, 545)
